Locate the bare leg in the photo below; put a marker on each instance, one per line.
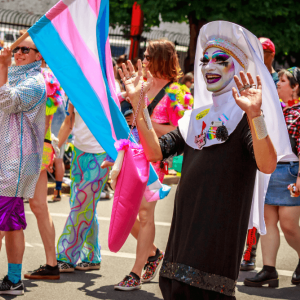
(135, 232)
(59, 169)
(39, 207)
(2, 233)
(145, 236)
(289, 223)
(271, 241)
(15, 246)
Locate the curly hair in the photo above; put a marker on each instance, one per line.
(163, 61)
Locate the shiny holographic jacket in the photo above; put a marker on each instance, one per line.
(22, 130)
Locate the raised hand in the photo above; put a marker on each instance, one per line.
(250, 98)
(5, 57)
(133, 84)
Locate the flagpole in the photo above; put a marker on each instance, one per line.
(19, 40)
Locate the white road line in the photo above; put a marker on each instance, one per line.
(132, 255)
(103, 252)
(99, 218)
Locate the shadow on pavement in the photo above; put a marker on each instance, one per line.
(108, 292)
(88, 281)
(27, 285)
(288, 293)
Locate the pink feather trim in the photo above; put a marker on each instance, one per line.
(124, 144)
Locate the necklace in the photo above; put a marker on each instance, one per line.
(289, 103)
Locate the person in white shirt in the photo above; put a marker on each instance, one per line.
(79, 239)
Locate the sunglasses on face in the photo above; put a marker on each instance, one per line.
(24, 50)
(148, 57)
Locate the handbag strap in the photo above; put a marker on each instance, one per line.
(157, 98)
(137, 111)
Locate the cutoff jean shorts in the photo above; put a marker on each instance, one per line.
(277, 193)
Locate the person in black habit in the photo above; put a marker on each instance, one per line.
(229, 145)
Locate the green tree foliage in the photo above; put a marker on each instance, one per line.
(278, 20)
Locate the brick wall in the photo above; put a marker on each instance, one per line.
(30, 6)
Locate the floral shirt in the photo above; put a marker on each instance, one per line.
(292, 120)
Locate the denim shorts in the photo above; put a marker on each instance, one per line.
(277, 193)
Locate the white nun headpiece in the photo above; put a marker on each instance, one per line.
(247, 50)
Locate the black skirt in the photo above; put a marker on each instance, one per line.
(210, 218)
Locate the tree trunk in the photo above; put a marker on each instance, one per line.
(195, 26)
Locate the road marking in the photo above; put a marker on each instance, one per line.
(166, 224)
(103, 252)
(132, 255)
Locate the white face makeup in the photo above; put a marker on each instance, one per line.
(217, 68)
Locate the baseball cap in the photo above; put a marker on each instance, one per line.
(126, 108)
(267, 44)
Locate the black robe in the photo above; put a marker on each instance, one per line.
(210, 218)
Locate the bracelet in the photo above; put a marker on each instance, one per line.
(260, 127)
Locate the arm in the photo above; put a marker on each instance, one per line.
(24, 96)
(5, 61)
(250, 101)
(293, 125)
(148, 138)
(47, 124)
(66, 127)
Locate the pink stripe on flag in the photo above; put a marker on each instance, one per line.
(110, 72)
(90, 67)
(56, 10)
(150, 195)
(95, 6)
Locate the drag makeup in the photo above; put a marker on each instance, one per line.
(217, 68)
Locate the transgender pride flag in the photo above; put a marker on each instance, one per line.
(73, 39)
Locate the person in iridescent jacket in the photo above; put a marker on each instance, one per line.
(22, 130)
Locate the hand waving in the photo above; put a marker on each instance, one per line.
(133, 85)
(250, 98)
(5, 57)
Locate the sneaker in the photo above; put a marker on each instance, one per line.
(56, 196)
(44, 272)
(9, 288)
(152, 267)
(65, 267)
(86, 266)
(129, 283)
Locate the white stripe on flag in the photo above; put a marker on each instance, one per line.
(86, 21)
(68, 2)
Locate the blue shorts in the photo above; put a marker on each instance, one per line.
(277, 193)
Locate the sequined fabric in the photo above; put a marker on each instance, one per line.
(22, 129)
(197, 278)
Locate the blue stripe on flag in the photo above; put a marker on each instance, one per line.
(74, 83)
(118, 121)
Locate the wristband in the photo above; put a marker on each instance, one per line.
(147, 118)
(260, 127)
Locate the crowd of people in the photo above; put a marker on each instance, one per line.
(233, 107)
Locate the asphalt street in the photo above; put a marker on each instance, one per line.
(99, 284)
